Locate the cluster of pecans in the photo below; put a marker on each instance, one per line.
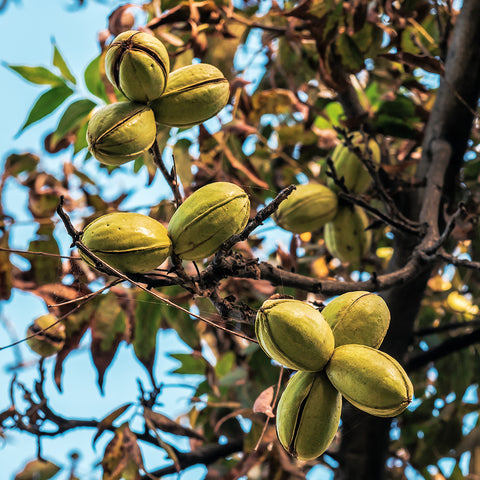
(336, 355)
(136, 243)
(137, 64)
(313, 206)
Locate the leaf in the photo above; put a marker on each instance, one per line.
(108, 327)
(37, 75)
(46, 104)
(60, 63)
(170, 451)
(81, 140)
(108, 421)
(93, 80)
(122, 458)
(165, 424)
(181, 322)
(74, 116)
(6, 278)
(192, 363)
(148, 314)
(263, 403)
(225, 364)
(352, 59)
(38, 469)
(456, 473)
(183, 161)
(19, 163)
(44, 269)
(76, 325)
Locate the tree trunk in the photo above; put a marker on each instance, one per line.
(365, 439)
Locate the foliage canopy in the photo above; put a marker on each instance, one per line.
(302, 76)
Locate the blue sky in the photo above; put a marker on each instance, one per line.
(26, 32)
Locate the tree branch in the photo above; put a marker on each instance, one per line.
(205, 456)
(447, 347)
(259, 218)
(171, 178)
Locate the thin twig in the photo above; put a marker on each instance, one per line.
(109, 270)
(41, 254)
(388, 219)
(39, 332)
(170, 178)
(458, 262)
(277, 391)
(422, 332)
(259, 218)
(85, 297)
(447, 231)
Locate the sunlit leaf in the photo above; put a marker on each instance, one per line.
(38, 469)
(93, 79)
(47, 103)
(38, 75)
(81, 140)
(73, 117)
(183, 161)
(59, 62)
(263, 403)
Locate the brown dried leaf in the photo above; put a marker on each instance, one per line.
(165, 424)
(38, 469)
(429, 64)
(121, 20)
(6, 279)
(263, 403)
(168, 448)
(108, 328)
(122, 458)
(108, 421)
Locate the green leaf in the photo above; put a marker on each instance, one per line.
(352, 59)
(148, 314)
(37, 75)
(60, 63)
(456, 474)
(45, 269)
(81, 141)
(225, 364)
(183, 161)
(192, 363)
(46, 104)
(93, 79)
(73, 117)
(108, 327)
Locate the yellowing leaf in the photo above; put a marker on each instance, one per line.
(122, 459)
(38, 469)
(460, 304)
(439, 284)
(305, 237)
(320, 268)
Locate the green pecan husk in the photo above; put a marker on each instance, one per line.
(137, 64)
